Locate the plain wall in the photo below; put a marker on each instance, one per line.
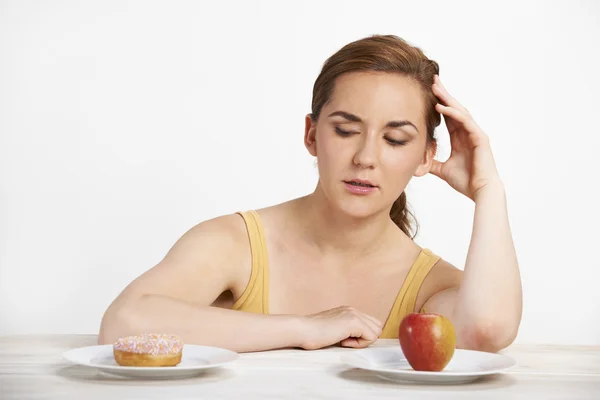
(123, 124)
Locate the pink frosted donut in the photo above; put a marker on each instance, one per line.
(148, 350)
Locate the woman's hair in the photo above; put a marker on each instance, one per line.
(383, 53)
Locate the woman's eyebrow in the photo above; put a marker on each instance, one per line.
(355, 118)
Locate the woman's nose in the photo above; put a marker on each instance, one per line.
(366, 153)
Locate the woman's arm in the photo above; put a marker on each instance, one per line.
(176, 297)
(205, 325)
(486, 307)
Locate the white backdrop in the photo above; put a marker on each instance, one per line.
(123, 124)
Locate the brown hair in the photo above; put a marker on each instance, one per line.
(383, 53)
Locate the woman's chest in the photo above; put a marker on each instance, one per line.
(301, 284)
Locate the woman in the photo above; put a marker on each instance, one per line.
(339, 266)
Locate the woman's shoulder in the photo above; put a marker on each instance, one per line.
(442, 276)
(227, 229)
(220, 240)
(233, 229)
(441, 270)
(230, 232)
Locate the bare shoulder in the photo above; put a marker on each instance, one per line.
(210, 258)
(218, 239)
(443, 278)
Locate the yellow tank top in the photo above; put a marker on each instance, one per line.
(255, 297)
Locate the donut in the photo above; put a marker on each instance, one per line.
(148, 350)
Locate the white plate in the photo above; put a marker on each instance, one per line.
(465, 365)
(195, 360)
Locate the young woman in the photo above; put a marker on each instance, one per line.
(340, 266)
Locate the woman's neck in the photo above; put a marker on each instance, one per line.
(332, 231)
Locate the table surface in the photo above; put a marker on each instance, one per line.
(31, 367)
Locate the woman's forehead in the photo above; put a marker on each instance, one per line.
(375, 96)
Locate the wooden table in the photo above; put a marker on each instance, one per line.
(31, 368)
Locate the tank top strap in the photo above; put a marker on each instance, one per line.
(407, 296)
(255, 297)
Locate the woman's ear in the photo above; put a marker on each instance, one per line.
(425, 165)
(310, 135)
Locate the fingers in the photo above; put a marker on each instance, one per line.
(451, 108)
(344, 325)
(360, 329)
(440, 91)
(473, 131)
(356, 343)
(373, 323)
(371, 318)
(453, 112)
(436, 168)
(374, 327)
(459, 116)
(363, 329)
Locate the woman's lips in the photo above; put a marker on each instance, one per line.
(359, 187)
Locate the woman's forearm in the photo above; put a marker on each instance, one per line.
(489, 301)
(206, 325)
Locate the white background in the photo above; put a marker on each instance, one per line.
(123, 124)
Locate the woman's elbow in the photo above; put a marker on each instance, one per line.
(485, 336)
(117, 321)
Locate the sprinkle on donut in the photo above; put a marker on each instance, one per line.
(150, 343)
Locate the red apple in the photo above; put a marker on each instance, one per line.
(427, 340)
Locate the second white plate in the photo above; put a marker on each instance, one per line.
(465, 366)
(195, 359)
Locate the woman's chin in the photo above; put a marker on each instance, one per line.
(356, 206)
(359, 209)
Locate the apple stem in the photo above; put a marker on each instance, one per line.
(424, 310)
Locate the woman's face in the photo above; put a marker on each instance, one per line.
(372, 129)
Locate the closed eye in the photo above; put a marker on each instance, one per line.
(393, 142)
(342, 132)
(397, 142)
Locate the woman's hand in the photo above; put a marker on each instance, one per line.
(344, 325)
(471, 166)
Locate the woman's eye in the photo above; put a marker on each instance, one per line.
(342, 132)
(396, 142)
(393, 142)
